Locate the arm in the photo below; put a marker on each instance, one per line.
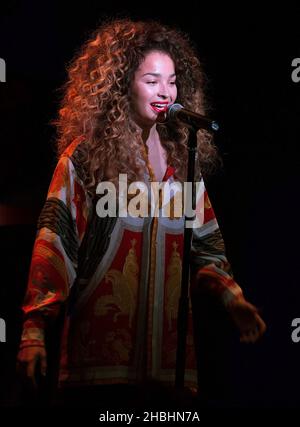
(61, 227)
(211, 270)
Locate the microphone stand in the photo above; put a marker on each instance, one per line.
(183, 306)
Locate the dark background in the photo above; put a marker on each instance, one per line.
(247, 55)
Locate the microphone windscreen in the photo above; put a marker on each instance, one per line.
(172, 110)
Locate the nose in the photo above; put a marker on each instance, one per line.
(163, 91)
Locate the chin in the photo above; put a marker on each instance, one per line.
(149, 121)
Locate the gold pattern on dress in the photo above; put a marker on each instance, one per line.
(83, 342)
(173, 284)
(116, 346)
(207, 203)
(173, 208)
(124, 289)
(52, 257)
(152, 267)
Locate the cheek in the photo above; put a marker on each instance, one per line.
(174, 92)
(141, 90)
(146, 92)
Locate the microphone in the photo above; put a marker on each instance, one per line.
(190, 118)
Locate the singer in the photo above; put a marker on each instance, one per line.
(117, 280)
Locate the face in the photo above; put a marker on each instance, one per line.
(153, 89)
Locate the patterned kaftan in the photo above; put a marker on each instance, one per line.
(121, 280)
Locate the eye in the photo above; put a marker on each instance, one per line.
(151, 83)
(173, 83)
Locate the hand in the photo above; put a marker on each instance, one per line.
(247, 319)
(29, 360)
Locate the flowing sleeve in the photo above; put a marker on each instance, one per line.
(210, 267)
(61, 227)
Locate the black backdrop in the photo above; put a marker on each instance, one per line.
(247, 54)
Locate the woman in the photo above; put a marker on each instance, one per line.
(119, 276)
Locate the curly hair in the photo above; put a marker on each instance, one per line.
(96, 101)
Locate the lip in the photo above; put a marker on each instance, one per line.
(160, 102)
(159, 110)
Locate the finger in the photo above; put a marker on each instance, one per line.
(260, 325)
(21, 367)
(30, 373)
(244, 338)
(259, 310)
(250, 306)
(43, 365)
(250, 336)
(259, 329)
(254, 335)
(255, 321)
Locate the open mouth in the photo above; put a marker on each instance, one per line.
(159, 107)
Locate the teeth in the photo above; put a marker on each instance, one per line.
(159, 105)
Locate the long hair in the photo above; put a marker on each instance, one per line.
(96, 101)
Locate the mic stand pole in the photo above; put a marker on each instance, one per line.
(183, 306)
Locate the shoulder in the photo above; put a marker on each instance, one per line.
(73, 146)
(74, 153)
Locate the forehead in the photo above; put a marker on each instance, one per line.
(155, 62)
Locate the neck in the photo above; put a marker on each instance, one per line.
(150, 135)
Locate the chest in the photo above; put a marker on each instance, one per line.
(157, 157)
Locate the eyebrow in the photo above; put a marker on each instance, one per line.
(157, 74)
